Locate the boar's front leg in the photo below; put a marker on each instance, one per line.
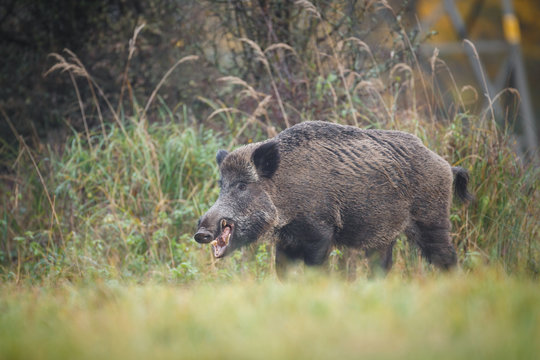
(380, 260)
(282, 263)
(301, 240)
(284, 257)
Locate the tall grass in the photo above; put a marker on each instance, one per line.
(128, 206)
(122, 201)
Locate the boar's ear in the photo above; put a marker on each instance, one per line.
(220, 156)
(266, 159)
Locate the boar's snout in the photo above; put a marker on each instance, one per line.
(205, 230)
(203, 236)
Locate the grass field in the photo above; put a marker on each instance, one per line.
(98, 261)
(481, 315)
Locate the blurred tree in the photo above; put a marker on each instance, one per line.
(29, 31)
(99, 31)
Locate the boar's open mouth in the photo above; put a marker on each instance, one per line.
(221, 243)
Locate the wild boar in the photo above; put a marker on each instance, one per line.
(317, 185)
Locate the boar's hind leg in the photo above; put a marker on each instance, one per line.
(434, 242)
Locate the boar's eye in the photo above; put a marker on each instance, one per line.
(241, 186)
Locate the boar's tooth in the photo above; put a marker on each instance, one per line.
(227, 239)
(223, 223)
(214, 243)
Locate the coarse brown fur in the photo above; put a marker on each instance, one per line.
(317, 185)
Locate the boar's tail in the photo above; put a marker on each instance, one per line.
(461, 179)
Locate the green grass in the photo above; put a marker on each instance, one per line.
(481, 315)
(127, 206)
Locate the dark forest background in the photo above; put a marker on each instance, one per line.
(45, 108)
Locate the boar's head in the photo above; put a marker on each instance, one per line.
(244, 209)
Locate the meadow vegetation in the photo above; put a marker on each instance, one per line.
(96, 250)
(487, 315)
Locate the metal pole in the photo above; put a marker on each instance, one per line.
(513, 37)
(474, 60)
